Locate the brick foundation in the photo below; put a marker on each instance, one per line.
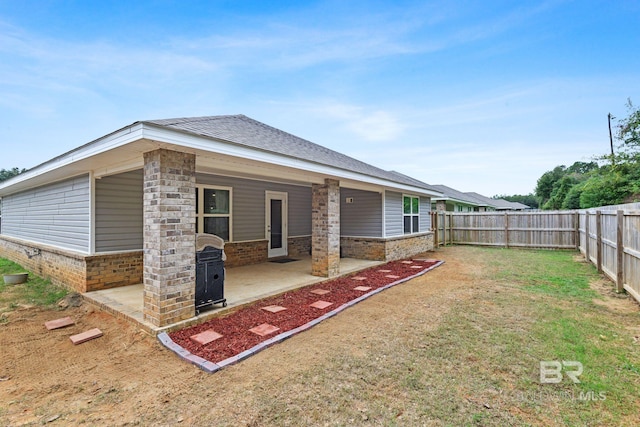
(299, 246)
(114, 270)
(408, 246)
(389, 249)
(363, 248)
(245, 253)
(82, 273)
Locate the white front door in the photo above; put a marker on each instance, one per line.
(276, 223)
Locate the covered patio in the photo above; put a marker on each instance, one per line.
(242, 285)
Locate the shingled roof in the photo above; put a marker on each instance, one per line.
(242, 130)
(452, 193)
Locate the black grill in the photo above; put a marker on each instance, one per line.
(209, 278)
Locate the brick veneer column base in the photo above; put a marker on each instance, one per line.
(325, 229)
(169, 236)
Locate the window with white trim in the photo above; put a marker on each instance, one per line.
(411, 214)
(213, 211)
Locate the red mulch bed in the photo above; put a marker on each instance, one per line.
(235, 326)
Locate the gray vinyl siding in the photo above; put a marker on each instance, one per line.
(425, 214)
(363, 217)
(119, 212)
(393, 214)
(248, 208)
(57, 214)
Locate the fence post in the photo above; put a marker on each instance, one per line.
(451, 229)
(436, 239)
(576, 227)
(587, 236)
(620, 253)
(599, 240)
(506, 229)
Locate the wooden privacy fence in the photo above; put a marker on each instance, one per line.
(609, 237)
(545, 230)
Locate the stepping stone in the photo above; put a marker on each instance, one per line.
(86, 336)
(59, 323)
(204, 338)
(384, 271)
(391, 276)
(320, 291)
(274, 308)
(417, 266)
(425, 260)
(359, 278)
(264, 329)
(407, 262)
(321, 304)
(362, 288)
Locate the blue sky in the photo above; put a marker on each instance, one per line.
(481, 96)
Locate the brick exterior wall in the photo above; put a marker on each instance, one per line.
(169, 236)
(78, 272)
(363, 248)
(62, 267)
(325, 228)
(386, 249)
(299, 246)
(408, 246)
(114, 270)
(245, 253)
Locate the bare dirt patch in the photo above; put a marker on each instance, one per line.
(618, 302)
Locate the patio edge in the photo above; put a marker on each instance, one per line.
(211, 367)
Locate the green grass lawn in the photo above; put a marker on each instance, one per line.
(35, 292)
(540, 307)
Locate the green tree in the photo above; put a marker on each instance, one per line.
(546, 182)
(560, 190)
(10, 173)
(610, 187)
(629, 131)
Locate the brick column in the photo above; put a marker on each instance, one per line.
(325, 229)
(169, 236)
(441, 205)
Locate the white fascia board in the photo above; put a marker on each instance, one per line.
(109, 142)
(159, 134)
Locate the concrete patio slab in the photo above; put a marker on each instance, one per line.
(242, 285)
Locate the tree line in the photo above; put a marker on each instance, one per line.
(609, 179)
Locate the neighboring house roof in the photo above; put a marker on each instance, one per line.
(458, 196)
(500, 204)
(240, 129)
(231, 137)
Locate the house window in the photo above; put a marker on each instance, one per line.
(213, 211)
(411, 214)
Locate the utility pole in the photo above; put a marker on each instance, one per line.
(613, 160)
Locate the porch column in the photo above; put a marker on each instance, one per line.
(325, 229)
(169, 236)
(441, 205)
